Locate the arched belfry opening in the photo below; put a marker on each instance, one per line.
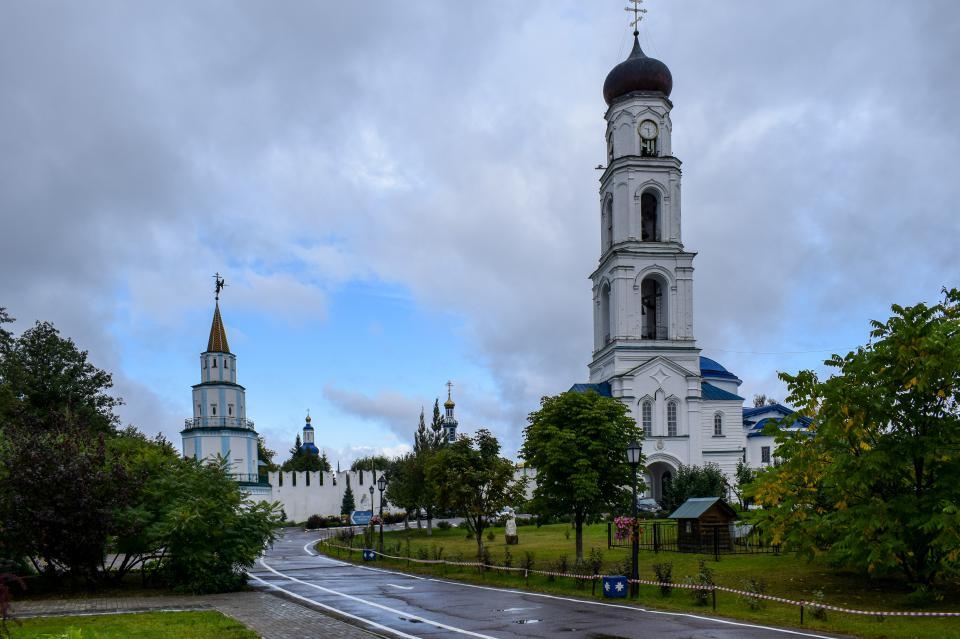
(649, 217)
(605, 314)
(653, 311)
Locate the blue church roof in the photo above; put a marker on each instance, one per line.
(711, 392)
(310, 447)
(603, 388)
(308, 427)
(713, 368)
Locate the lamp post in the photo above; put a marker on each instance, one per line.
(371, 511)
(382, 485)
(633, 458)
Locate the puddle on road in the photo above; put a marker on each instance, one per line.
(410, 620)
(515, 609)
(522, 621)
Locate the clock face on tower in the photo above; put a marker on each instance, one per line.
(648, 130)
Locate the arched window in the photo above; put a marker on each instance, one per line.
(226, 363)
(608, 224)
(649, 220)
(653, 316)
(605, 314)
(214, 363)
(672, 419)
(281, 479)
(646, 416)
(293, 479)
(610, 147)
(307, 474)
(718, 425)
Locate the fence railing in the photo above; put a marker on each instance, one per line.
(666, 535)
(218, 422)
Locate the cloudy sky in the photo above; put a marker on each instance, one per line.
(403, 193)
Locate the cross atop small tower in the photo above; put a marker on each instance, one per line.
(219, 284)
(449, 389)
(637, 15)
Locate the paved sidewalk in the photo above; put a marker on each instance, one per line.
(268, 615)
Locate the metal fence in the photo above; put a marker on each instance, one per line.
(663, 535)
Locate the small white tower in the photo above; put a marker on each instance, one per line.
(309, 445)
(449, 421)
(219, 425)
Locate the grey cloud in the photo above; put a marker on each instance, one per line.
(449, 148)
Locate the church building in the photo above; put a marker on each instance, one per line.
(644, 350)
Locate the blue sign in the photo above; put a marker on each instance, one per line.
(615, 587)
(361, 517)
(369, 555)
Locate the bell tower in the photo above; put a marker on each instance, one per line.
(643, 283)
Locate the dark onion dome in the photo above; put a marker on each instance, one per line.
(637, 73)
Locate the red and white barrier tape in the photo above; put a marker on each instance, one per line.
(813, 605)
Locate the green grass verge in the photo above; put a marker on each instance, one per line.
(784, 575)
(142, 625)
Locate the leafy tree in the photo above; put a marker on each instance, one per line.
(57, 506)
(436, 425)
(406, 479)
(744, 476)
(578, 443)
(371, 462)
(875, 484)
(302, 460)
(348, 505)
(46, 375)
(694, 481)
(212, 534)
(426, 442)
(266, 455)
(472, 479)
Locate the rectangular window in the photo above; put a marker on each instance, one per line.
(361, 477)
(647, 418)
(765, 454)
(718, 425)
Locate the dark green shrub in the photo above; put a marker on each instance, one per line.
(755, 587)
(444, 525)
(704, 582)
(664, 573)
(316, 521)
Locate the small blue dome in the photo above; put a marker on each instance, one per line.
(310, 447)
(308, 427)
(713, 368)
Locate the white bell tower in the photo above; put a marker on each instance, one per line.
(643, 284)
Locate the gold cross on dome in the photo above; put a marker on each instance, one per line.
(637, 12)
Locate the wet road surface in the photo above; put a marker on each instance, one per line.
(393, 604)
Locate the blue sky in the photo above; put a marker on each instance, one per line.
(405, 194)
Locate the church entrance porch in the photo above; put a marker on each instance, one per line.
(658, 477)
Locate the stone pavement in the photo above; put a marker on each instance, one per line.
(270, 616)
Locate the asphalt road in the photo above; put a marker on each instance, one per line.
(393, 604)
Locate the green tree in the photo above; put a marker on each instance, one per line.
(436, 425)
(265, 455)
(472, 479)
(45, 377)
(371, 462)
(348, 505)
(875, 484)
(578, 443)
(405, 481)
(744, 476)
(694, 481)
(58, 506)
(211, 535)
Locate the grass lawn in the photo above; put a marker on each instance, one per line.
(142, 625)
(784, 575)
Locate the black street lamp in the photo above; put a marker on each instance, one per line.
(371, 510)
(382, 485)
(633, 458)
